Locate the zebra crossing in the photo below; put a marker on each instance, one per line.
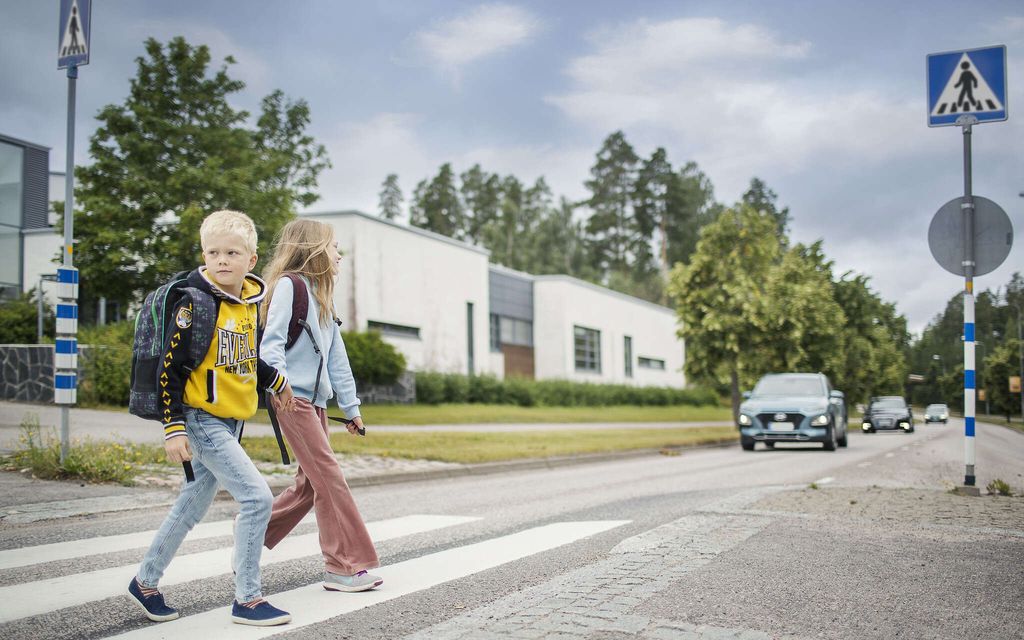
(21, 602)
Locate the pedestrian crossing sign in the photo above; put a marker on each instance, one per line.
(967, 83)
(73, 33)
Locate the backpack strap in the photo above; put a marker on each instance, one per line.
(204, 324)
(300, 308)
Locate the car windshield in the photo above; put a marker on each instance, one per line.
(936, 407)
(889, 403)
(789, 386)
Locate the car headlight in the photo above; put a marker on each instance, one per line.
(866, 426)
(820, 421)
(745, 420)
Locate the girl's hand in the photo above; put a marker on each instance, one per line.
(354, 426)
(284, 400)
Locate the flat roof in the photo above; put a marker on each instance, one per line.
(22, 143)
(599, 288)
(416, 230)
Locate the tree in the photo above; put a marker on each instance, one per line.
(999, 366)
(173, 152)
(436, 206)
(719, 298)
(560, 245)
(761, 198)
(481, 195)
(616, 241)
(390, 198)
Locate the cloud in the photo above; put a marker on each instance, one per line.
(739, 98)
(364, 153)
(488, 29)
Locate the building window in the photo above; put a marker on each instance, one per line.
(515, 331)
(651, 363)
(396, 330)
(627, 352)
(495, 332)
(588, 349)
(11, 159)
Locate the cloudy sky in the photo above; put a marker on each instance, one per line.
(824, 100)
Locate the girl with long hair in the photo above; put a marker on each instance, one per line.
(305, 263)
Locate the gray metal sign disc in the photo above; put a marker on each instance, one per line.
(993, 236)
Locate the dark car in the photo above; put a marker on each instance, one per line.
(793, 407)
(888, 413)
(936, 413)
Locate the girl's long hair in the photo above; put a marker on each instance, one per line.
(301, 247)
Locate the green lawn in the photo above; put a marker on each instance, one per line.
(395, 414)
(472, 447)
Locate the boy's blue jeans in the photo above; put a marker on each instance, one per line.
(217, 458)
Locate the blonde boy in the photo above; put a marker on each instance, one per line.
(203, 410)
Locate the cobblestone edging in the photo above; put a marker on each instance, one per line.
(600, 600)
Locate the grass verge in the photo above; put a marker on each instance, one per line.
(402, 414)
(475, 447)
(87, 460)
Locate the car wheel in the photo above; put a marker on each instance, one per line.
(830, 444)
(747, 443)
(844, 441)
(911, 430)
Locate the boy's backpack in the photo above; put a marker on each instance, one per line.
(154, 327)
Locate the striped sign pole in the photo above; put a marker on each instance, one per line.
(65, 351)
(967, 207)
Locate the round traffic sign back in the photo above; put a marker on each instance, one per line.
(993, 236)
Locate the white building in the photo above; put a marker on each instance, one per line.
(446, 308)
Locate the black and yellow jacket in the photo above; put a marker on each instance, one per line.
(227, 381)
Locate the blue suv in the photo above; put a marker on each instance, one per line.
(793, 407)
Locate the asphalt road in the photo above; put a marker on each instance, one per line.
(716, 543)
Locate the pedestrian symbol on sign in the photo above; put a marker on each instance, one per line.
(72, 45)
(966, 91)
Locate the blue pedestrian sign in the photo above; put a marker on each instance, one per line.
(967, 83)
(73, 33)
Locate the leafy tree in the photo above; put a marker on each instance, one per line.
(761, 198)
(436, 205)
(390, 198)
(19, 319)
(803, 323)
(174, 151)
(720, 297)
(560, 245)
(999, 366)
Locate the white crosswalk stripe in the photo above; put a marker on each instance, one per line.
(34, 598)
(312, 604)
(28, 556)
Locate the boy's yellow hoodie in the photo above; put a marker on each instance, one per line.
(227, 382)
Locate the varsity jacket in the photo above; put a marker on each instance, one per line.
(227, 382)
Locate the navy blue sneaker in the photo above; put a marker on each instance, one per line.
(263, 614)
(153, 604)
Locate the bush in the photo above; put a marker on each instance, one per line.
(107, 363)
(19, 318)
(435, 388)
(429, 388)
(373, 360)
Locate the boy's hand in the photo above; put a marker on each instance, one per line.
(177, 449)
(355, 426)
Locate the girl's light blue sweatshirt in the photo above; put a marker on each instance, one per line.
(300, 363)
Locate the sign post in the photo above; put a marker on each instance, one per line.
(73, 46)
(967, 88)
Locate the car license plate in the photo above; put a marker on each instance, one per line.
(885, 422)
(781, 426)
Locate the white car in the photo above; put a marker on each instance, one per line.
(936, 413)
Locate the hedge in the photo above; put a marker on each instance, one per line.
(107, 362)
(437, 388)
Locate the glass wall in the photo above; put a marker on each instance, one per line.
(11, 170)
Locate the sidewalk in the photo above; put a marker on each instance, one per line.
(121, 425)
